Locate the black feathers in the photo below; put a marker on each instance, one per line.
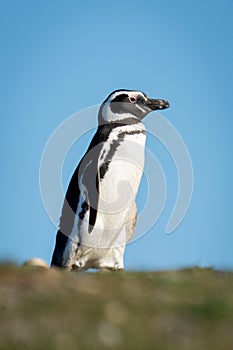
(113, 147)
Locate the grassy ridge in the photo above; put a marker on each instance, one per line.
(49, 309)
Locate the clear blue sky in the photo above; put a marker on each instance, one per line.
(58, 57)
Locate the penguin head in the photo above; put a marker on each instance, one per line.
(128, 104)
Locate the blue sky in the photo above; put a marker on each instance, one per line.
(58, 57)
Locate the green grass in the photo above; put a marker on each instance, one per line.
(49, 309)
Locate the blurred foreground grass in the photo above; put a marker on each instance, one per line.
(49, 309)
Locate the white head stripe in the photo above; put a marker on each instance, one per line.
(129, 93)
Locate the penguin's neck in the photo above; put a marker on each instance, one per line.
(121, 128)
(126, 122)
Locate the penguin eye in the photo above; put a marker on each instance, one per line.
(132, 99)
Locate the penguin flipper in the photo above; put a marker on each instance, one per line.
(90, 186)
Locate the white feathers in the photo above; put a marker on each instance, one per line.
(109, 116)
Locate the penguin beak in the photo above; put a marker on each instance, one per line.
(154, 104)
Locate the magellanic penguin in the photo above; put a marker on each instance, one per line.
(99, 211)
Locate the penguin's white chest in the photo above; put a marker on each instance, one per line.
(120, 183)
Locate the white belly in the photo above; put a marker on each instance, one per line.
(120, 184)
